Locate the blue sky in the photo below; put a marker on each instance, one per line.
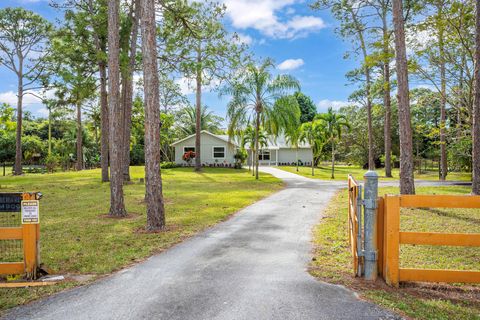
(301, 41)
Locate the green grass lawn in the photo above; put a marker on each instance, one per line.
(342, 172)
(332, 262)
(76, 238)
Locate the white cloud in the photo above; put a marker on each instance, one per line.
(10, 97)
(262, 15)
(291, 64)
(30, 102)
(186, 85)
(323, 105)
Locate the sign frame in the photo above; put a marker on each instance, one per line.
(30, 210)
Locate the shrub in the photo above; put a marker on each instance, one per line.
(51, 162)
(168, 165)
(240, 156)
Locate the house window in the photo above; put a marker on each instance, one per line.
(218, 152)
(264, 155)
(187, 149)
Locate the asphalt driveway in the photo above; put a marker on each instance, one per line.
(253, 266)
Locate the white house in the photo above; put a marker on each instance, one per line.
(215, 149)
(219, 149)
(279, 152)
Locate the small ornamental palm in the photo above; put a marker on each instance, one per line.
(259, 96)
(293, 138)
(334, 124)
(314, 134)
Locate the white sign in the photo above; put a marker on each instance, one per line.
(30, 212)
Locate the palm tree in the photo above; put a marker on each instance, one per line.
(248, 136)
(187, 119)
(334, 123)
(314, 134)
(259, 96)
(293, 138)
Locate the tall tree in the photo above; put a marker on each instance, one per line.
(23, 38)
(153, 178)
(73, 60)
(98, 22)
(129, 50)
(257, 95)
(209, 55)
(476, 107)
(382, 10)
(117, 205)
(334, 124)
(353, 16)
(307, 107)
(407, 183)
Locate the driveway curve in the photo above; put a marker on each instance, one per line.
(253, 266)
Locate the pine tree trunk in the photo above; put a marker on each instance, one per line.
(198, 107)
(101, 48)
(128, 93)
(363, 45)
(443, 100)
(407, 184)
(476, 109)
(104, 125)
(387, 98)
(117, 205)
(371, 161)
(153, 177)
(79, 165)
(18, 136)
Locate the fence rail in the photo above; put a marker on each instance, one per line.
(393, 238)
(27, 234)
(389, 237)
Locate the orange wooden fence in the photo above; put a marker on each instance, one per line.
(30, 235)
(390, 238)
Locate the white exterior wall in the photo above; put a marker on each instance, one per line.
(206, 150)
(285, 156)
(289, 155)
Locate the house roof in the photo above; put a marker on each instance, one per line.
(272, 143)
(222, 137)
(280, 142)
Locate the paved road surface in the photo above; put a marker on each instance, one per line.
(251, 267)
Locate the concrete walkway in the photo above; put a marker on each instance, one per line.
(253, 266)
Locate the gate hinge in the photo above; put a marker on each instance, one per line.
(369, 203)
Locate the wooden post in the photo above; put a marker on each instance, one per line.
(30, 252)
(392, 245)
(380, 235)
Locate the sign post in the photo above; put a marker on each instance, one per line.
(30, 224)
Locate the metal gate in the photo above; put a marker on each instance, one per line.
(355, 224)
